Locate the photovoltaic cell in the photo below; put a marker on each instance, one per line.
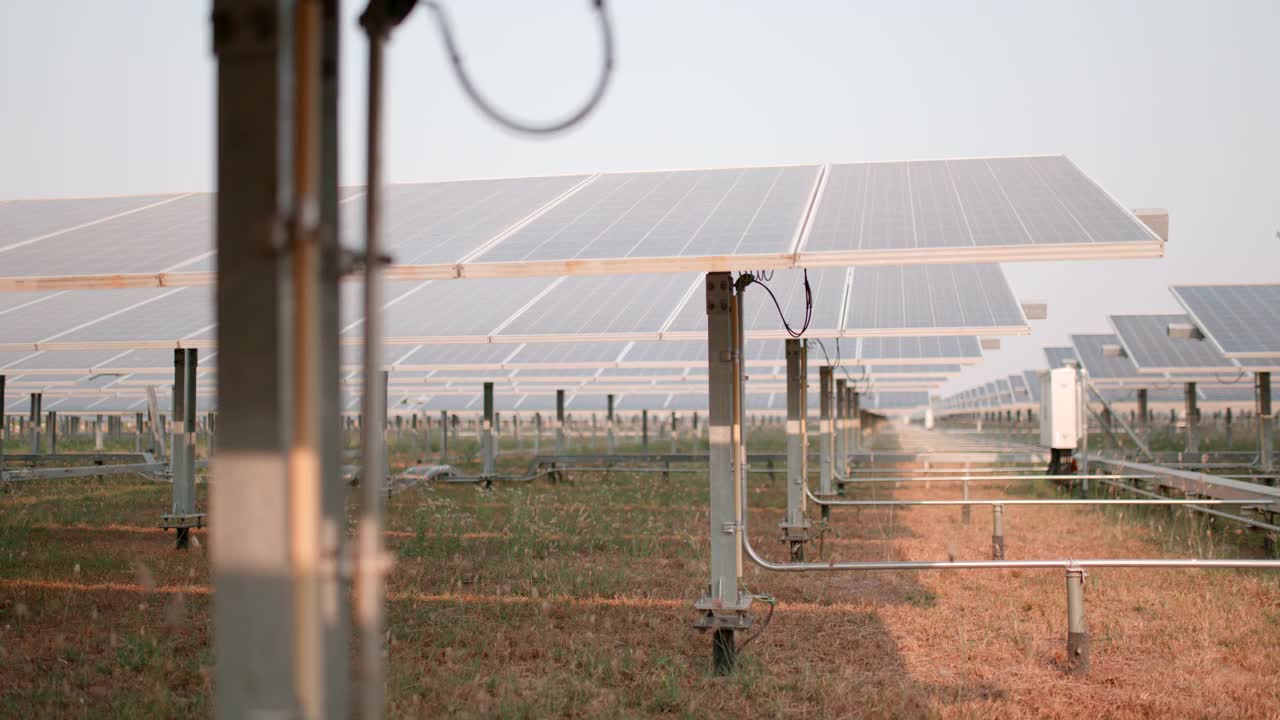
(1242, 320)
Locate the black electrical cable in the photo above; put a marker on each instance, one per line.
(602, 84)
(808, 305)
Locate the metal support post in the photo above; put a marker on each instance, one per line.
(1227, 428)
(841, 460)
(444, 437)
(182, 458)
(795, 526)
(260, 646)
(560, 439)
(487, 437)
(855, 420)
(824, 437)
(644, 431)
(1077, 630)
(724, 609)
(537, 433)
(51, 422)
(1193, 418)
(1265, 420)
(35, 422)
(4, 425)
(97, 433)
(997, 532)
(1143, 413)
(609, 426)
(966, 511)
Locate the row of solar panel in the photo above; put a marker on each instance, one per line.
(879, 301)
(735, 218)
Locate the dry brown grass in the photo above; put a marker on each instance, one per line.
(575, 600)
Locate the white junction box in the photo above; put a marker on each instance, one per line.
(1060, 409)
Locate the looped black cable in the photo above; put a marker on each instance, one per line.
(808, 305)
(455, 58)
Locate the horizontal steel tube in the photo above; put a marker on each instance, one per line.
(1198, 506)
(958, 478)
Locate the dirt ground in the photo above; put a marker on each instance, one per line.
(573, 599)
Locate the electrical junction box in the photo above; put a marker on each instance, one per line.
(1060, 408)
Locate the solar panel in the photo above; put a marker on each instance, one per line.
(960, 299)
(444, 222)
(1240, 319)
(162, 236)
(1060, 356)
(1100, 366)
(958, 208)
(977, 210)
(1147, 342)
(602, 306)
(1033, 384)
(28, 222)
(883, 350)
(736, 211)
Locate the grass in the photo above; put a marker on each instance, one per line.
(573, 599)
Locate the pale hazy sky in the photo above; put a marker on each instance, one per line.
(1166, 104)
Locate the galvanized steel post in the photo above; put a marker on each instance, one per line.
(841, 459)
(1193, 417)
(795, 526)
(997, 532)
(1077, 630)
(609, 426)
(723, 607)
(824, 437)
(4, 425)
(644, 431)
(1263, 390)
(35, 423)
(560, 439)
(486, 436)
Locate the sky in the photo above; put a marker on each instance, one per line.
(1165, 103)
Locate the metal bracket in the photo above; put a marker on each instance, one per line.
(194, 520)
